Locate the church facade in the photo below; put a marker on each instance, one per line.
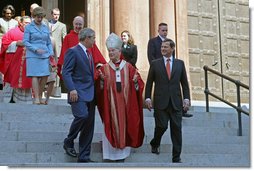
(207, 32)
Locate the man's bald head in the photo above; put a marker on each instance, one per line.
(78, 19)
(78, 23)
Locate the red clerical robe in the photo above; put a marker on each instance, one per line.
(14, 63)
(71, 40)
(121, 112)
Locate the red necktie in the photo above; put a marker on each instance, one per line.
(168, 68)
(89, 58)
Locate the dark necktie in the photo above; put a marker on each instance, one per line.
(89, 58)
(168, 68)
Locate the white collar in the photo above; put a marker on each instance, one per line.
(165, 58)
(117, 69)
(83, 47)
(161, 37)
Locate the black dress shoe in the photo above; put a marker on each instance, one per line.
(70, 151)
(177, 161)
(85, 161)
(187, 115)
(155, 150)
(120, 161)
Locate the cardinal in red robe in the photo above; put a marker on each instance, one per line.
(71, 40)
(13, 64)
(119, 100)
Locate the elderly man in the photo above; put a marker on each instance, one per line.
(13, 53)
(120, 104)
(71, 40)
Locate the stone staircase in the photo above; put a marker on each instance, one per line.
(32, 135)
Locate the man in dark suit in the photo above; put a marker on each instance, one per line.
(78, 76)
(154, 44)
(171, 83)
(154, 49)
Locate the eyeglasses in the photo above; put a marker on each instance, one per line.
(164, 30)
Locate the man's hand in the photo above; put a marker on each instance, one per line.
(186, 104)
(148, 103)
(73, 96)
(135, 77)
(101, 75)
(59, 71)
(19, 43)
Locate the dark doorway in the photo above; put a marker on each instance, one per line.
(69, 10)
(22, 7)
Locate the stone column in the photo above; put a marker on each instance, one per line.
(133, 15)
(98, 18)
(48, 5)
(162, 11)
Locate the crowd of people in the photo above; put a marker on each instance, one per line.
(37, 53)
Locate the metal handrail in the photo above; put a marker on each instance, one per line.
(238, 85)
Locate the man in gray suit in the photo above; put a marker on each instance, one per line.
(171, 83)
(58, 32)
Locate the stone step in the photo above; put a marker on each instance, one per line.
(31, 135)
(140, 159)
(148, 125)
(65, 108)
(139, 165)
(215, 109)
(199, 119)
(67, 117)
(60, 117)
(187, 138)
(13, 107)
(44, 147)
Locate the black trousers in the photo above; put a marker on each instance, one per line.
(162, 117)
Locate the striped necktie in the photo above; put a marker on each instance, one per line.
(168, 68)
(89, 58)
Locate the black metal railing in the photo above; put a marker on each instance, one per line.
(238, 85)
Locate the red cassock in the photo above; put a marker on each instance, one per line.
(13, 65)
(121, 112)
(71, 40)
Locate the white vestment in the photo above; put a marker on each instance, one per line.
(112, 153)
